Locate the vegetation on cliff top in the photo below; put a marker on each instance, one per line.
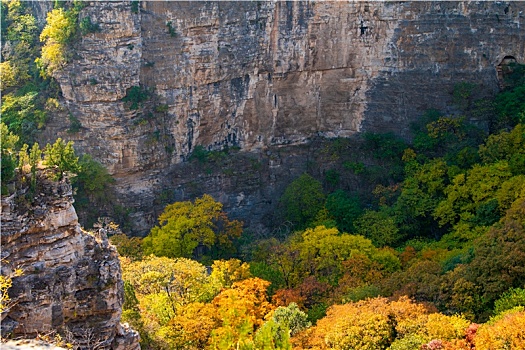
(30, 96)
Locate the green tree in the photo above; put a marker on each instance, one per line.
(62, 156)
(22, 113)
(323, 251)
(93, 187)
(499, 258)
(509, 300)
(131, 311)
(345, 209)
(93, 177)
(130, 247)
(504, 145)
(8, 151)
(302, 200)
(468, 191)
(378, 226)
(35, 157)
(292, 318)
(19, 29)
(510, 106)
(23, 159)
(272, 336)
(187, 226)
(386, 146)
(421, 192)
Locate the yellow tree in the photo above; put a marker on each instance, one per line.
(163, 287)
(227, 272)
(505, 331)
(191, 328)
(241, 311)
(60, 27)
(188, 228)
(379, 324)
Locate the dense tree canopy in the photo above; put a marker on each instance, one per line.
(302, 200)
(185, 227)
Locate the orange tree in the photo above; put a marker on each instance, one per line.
(379, 324)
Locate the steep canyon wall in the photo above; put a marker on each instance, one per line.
(267, 77)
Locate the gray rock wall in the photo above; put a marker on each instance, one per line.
(257, 75)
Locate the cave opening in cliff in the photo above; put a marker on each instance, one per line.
(505, 70)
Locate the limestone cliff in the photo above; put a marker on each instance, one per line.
(71, 280)
(266, 74)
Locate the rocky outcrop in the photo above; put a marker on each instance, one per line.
(258, 75)
(71, 282)
(28, 344)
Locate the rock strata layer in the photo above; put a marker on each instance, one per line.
(257, 75)
(71, 282)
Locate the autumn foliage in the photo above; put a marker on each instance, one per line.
(457, 259)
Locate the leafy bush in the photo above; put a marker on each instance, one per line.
(171, 29)
(74, 124)
(200, 153)
(135, 96)
(86, 26)
(135, 6)
(509, 300)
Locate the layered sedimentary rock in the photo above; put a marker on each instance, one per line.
(258, 75)
(71, 282)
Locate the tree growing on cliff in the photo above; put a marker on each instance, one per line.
(62, 156)
(59, 29)
(191, 229)
(6, 282)
(8, 150)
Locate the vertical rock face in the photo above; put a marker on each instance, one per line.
(71, 280)
(264, 74)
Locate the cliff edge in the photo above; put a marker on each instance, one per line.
(71, 282)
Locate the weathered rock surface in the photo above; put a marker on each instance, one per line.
(27, 344)
(264, 74)
(71, 280)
